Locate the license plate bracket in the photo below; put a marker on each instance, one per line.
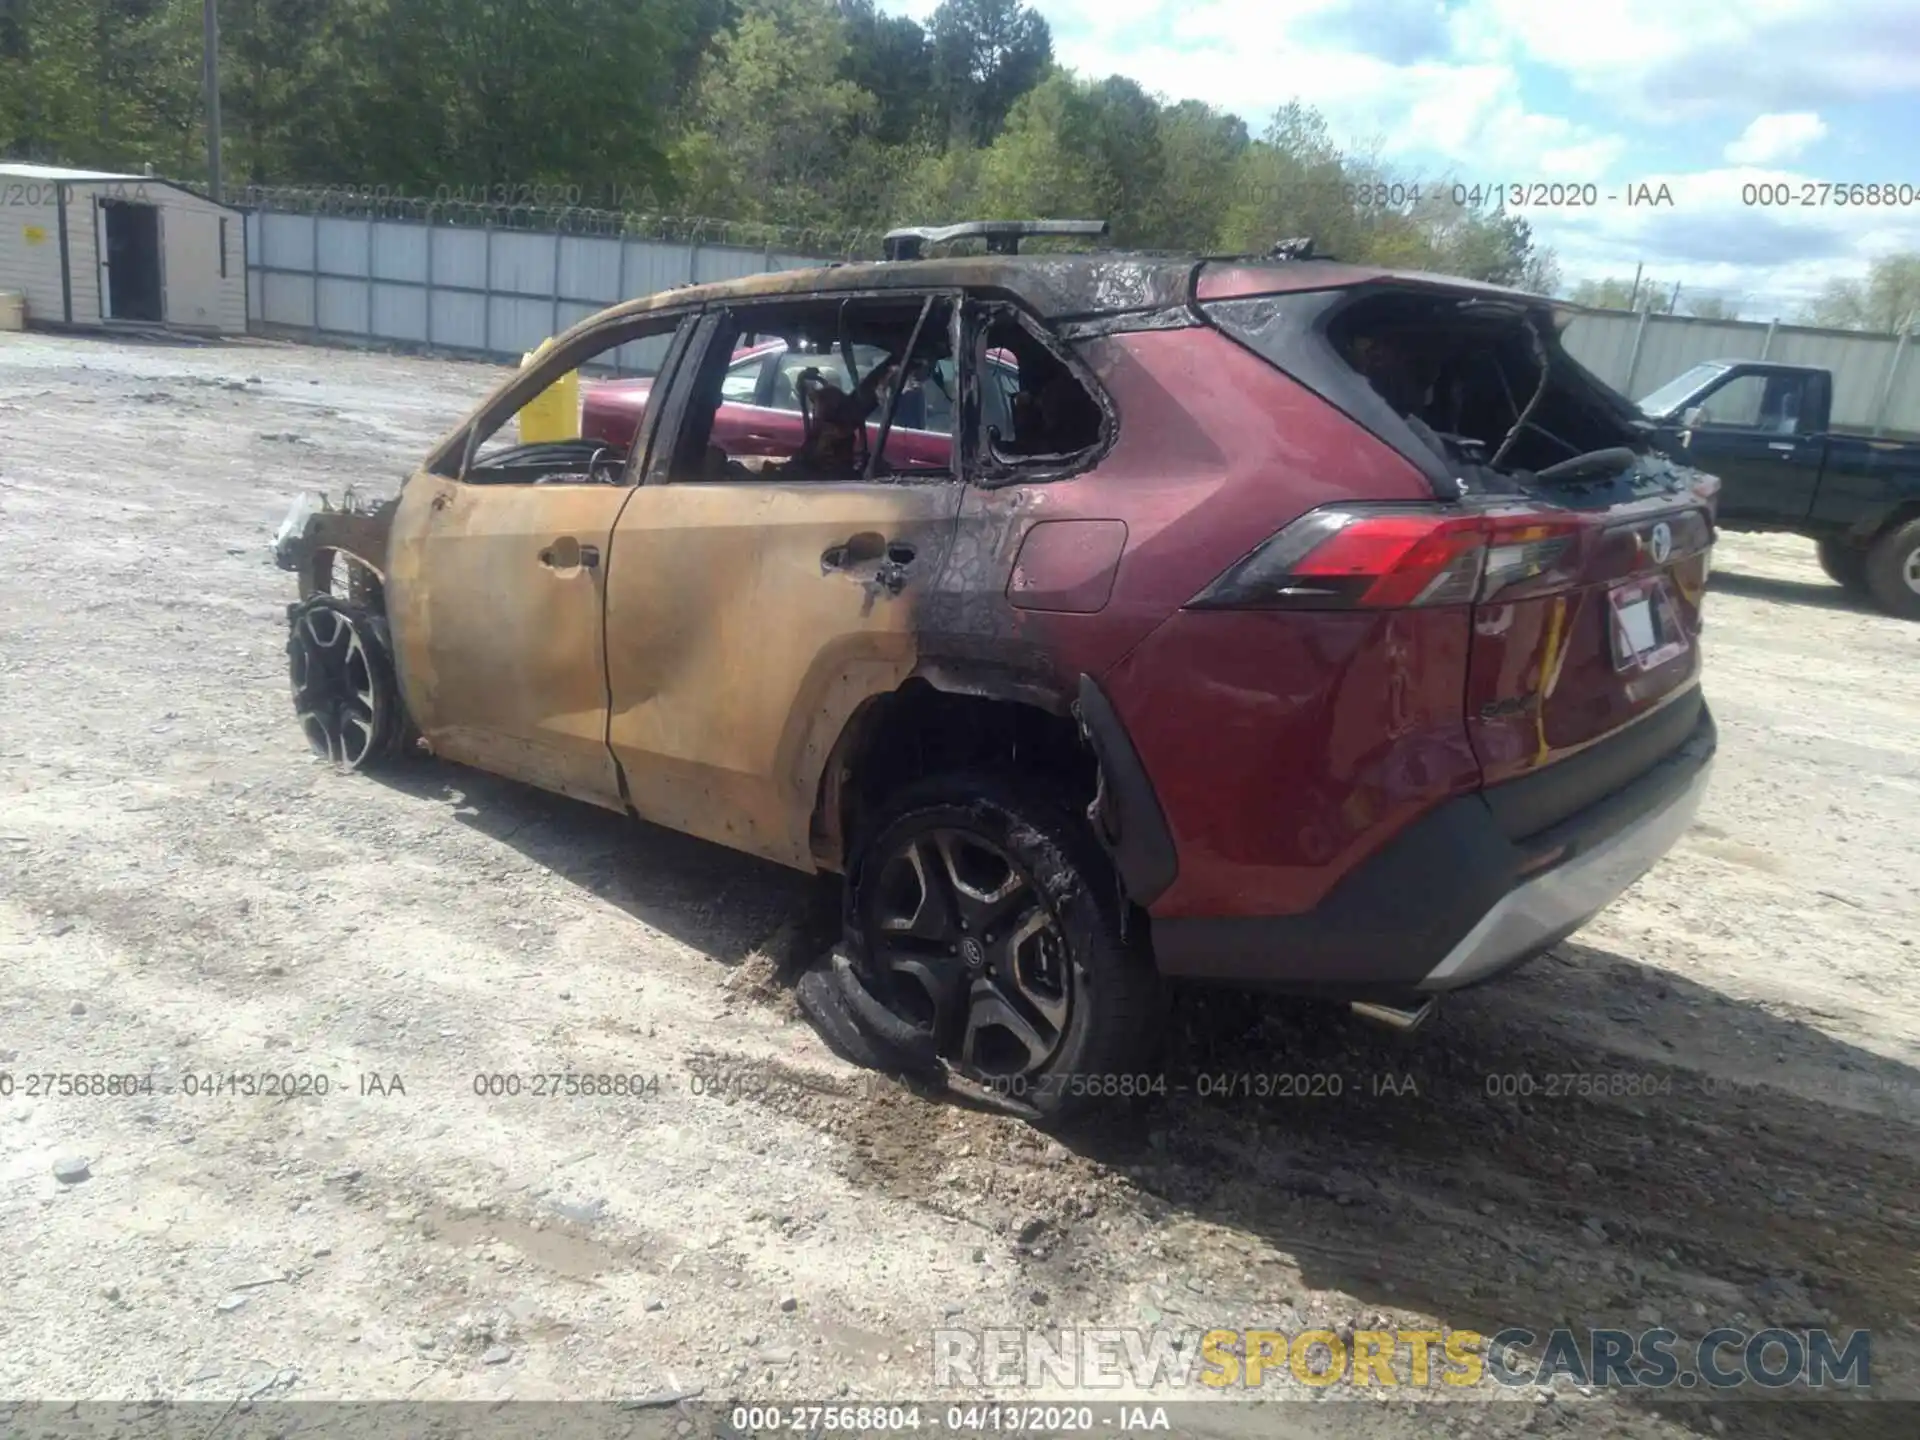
(1645, 624)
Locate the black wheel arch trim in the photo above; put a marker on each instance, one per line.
(1126, 812)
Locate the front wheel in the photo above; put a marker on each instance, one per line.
(344, 693)
(1846, 565)
(1893, 571)
(990, 919)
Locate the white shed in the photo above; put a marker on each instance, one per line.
(88, 248)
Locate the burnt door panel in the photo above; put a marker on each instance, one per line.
(745, 624)
(496, 595)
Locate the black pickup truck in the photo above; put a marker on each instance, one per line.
(1762, 428)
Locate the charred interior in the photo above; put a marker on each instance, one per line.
(850, 364)
(1486, 385)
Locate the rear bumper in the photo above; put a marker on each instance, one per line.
(1458, 897)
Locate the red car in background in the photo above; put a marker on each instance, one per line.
(759, 414)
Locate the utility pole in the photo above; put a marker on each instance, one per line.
(1673, 305)
(1633, 299)
(210, 73)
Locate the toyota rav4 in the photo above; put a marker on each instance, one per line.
(1269, 621)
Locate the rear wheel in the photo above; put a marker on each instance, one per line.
(1846, 565)
(990, 919)
(1893, 571)
(344, 693)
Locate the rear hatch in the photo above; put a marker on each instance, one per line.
(1581, 555)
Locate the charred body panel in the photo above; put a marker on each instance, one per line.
(318, 541)
(792, 604)
(496, 600)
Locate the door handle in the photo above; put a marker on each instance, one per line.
(889, 558)
(864, 547)
(1782, 445)
(564, 554)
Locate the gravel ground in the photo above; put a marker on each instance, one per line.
(184, 892)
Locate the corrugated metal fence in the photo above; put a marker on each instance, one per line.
(1876, 378)
(493, 292)
(472, 290)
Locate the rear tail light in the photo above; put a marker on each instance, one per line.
(1387, 557)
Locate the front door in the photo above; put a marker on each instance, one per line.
(496, 593)
(1749, 435)
(753, 607)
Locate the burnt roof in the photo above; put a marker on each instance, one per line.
(1065, 286)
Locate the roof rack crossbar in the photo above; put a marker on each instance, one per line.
(1003, 237)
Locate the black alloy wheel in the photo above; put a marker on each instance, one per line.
(344, 694)
(990, 918)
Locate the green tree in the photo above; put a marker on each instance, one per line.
(1127, 155)
(1541, 274)
(1885, 300)
(1614, 293)
(1200, 148)
(1292, 182)
(1710, 307)
(889, 57)
(772, 130)
(986, 55)
(1046, 161)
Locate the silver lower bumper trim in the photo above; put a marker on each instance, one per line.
(1535, 912)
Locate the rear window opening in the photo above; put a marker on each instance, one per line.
(1489, 387)
(1035, 408)
(1478, 393)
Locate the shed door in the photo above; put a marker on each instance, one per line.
(191, 257)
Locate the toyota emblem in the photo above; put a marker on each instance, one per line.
(1660, 542)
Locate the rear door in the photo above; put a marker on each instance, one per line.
(1604, 634)
(750, 613)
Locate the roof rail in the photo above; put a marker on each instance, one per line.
(1003, 237)
(1298, 248)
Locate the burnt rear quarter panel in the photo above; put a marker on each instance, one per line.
(1215, 451)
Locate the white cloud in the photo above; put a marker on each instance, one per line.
(1663, 59)
(1773, 138)
(1470, 114)
(1718, 238)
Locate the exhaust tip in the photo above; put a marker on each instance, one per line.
(1395, 1017)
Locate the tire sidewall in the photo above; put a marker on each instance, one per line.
(1844, 564)
(1069, 872)
(1887, 566)
(393, 720)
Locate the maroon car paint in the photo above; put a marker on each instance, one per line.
(1541, 681)
(1285, 748)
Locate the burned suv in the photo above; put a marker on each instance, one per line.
(1269, 621)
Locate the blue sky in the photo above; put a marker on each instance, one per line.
(1705, 96)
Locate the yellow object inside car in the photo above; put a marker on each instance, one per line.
(553, 414)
